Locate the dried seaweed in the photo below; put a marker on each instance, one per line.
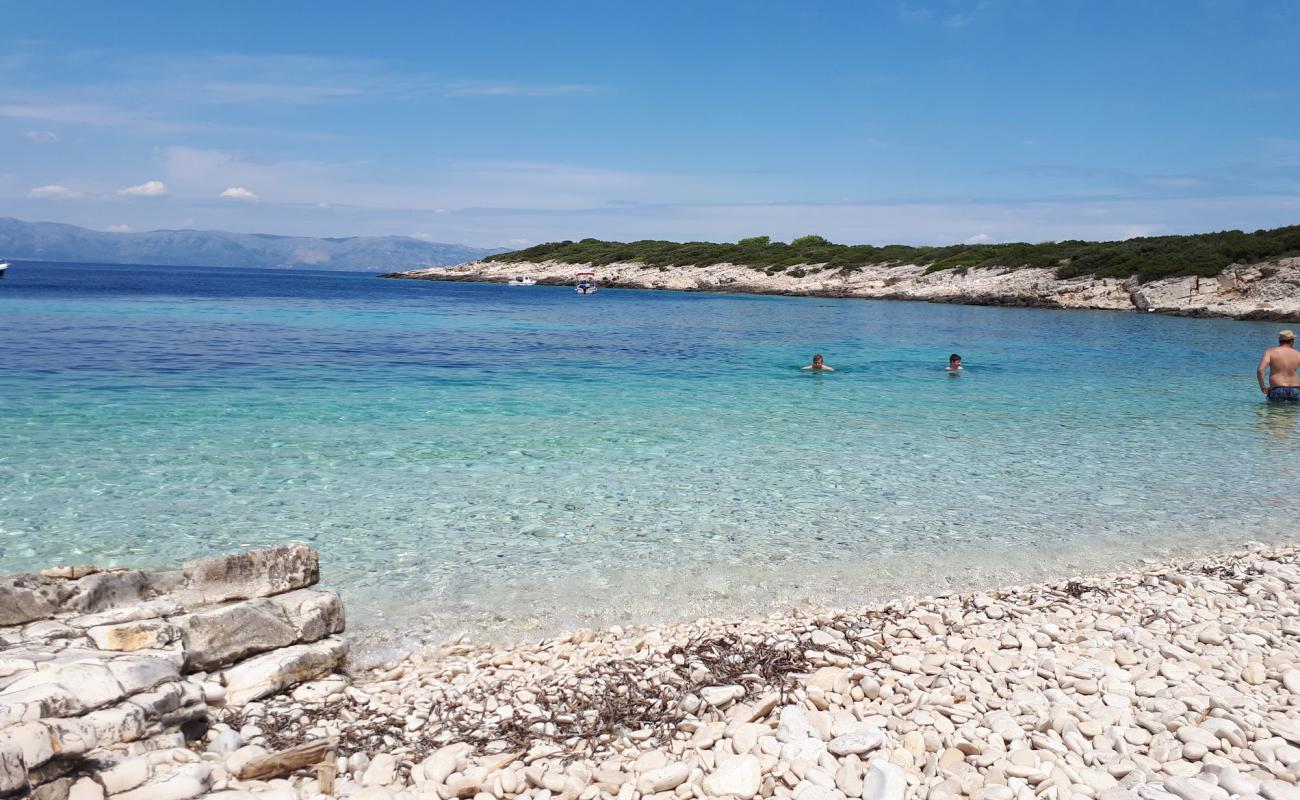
(600, 703)
(1077, 590)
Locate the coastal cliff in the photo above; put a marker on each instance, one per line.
(1265, 291)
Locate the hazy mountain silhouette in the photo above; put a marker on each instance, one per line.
(52, 241)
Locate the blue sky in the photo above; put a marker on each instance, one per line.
(509, 123)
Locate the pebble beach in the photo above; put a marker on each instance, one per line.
(1181, 680)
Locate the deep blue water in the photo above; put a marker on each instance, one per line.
(523, 457)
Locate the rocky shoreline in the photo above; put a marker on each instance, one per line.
(108, 676)
(1180, 681)
(1269, 291)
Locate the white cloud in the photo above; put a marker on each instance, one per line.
(237, 193)
(146, 189)
(118, 229)
(34, 107)
(442, 184)
(1179, 182)
(53, 192)
(43, 137)
(506, 89)
(979, 238)
(174, 94)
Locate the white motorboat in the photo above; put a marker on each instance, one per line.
(586, 283)
(4, 267)
(521, 281)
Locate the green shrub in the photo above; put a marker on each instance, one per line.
(809, 241)
(1146, 258)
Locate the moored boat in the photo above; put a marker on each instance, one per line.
(4, 267)
(521, 280)
(586, 283)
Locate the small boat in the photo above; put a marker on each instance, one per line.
(586, 283)
(4, 266)
(521, 281)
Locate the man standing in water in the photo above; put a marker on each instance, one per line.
(819, 364)
(1280, 363)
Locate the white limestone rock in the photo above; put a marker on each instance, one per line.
(663, 778)
(721, 696)
(87, 685)
(32, 740)
(138, 673)
(152, 634)
(26, 598)
(273, 672)
(794, 725)
(381, 772)
(444, 761)
(313, 614)
(86, 789)
(884, 781)
(856, 742)
(13, 769)
(256, 573)
(739, 776)
(191, 780)
(218, 636)
(106, 590)
(125, 775)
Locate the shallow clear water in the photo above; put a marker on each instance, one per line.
(510, 459)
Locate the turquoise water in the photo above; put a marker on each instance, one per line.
(510, 460)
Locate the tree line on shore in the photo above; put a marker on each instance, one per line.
(1147, 258)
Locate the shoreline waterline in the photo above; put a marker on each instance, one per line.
(1257, 292)
(829, 584)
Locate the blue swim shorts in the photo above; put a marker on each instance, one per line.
(1284, 394)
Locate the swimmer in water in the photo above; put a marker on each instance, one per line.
(819, 364)
(954, 363)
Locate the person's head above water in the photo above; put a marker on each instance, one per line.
(954, 361)
(1286, 337)
(819, 363)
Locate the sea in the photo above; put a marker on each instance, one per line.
(508, 462)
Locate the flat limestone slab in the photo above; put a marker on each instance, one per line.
(257, 573)
(274, 672)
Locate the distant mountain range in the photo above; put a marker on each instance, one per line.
(52, 241)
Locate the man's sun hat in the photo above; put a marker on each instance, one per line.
(1286, 336)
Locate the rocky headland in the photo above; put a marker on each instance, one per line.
(1178, 681)
(1267, 291)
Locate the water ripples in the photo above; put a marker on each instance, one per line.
(516, 460)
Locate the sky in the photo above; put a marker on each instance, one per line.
(511, 123)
